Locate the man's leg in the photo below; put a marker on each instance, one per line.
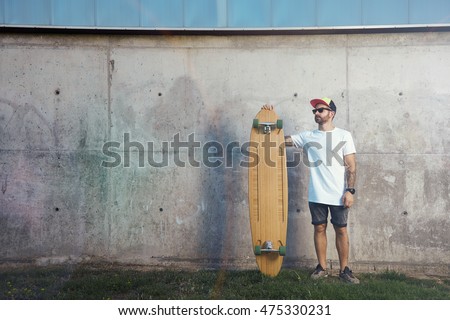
(320, 243)
(319, 215)
(342, 246)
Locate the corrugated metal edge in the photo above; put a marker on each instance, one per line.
(285, 30)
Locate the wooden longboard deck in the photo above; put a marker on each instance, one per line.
(268, 194)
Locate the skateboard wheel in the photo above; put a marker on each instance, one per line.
(279, 124)
(258, 250)
(282, 250)
(255, 123)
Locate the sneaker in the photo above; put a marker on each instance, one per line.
(319, 273)
(348, 277)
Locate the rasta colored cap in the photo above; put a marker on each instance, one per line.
(326, 101)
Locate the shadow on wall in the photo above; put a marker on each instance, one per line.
(217, 189)
(210, 231)
(223, 192)
(299, 226)
(182, 111)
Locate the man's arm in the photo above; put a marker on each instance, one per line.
(350, 169)
(350, 174)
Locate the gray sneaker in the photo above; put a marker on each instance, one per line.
(348, 277)
(319, 273)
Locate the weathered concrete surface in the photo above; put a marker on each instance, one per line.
(63, 97)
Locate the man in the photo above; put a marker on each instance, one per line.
(330, 152)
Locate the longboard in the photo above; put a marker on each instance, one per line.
(267, 190)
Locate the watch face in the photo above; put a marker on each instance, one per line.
(351, 190)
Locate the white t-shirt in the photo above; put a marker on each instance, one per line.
(325, 151)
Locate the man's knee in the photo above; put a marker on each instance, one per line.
(320, 228)
(340, 231)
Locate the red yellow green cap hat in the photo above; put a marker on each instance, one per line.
(326, 101)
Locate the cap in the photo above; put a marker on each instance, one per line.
(326, 101)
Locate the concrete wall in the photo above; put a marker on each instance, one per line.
(63, 97)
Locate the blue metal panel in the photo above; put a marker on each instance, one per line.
(73, 12)
(249, 13)
(23, 12)
(430, 11)
(2, 11)
(339, 12)
(294, 13)
(205, 13)
(118, 13)
(384, 12)
(162, 13)
(223, 13)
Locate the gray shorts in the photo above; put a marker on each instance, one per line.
(319, 214)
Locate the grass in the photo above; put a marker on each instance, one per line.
(85, 283)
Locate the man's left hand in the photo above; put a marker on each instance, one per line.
(348, 199)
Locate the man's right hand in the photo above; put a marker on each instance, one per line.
(267, 107)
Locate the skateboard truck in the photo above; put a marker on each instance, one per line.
(267, 126)
(267, 247)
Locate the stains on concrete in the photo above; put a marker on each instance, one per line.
(57, 201)
(5, 184)
(27, 126)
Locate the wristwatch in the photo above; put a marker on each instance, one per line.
(351, 190)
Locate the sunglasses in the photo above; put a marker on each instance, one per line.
(320, 110)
